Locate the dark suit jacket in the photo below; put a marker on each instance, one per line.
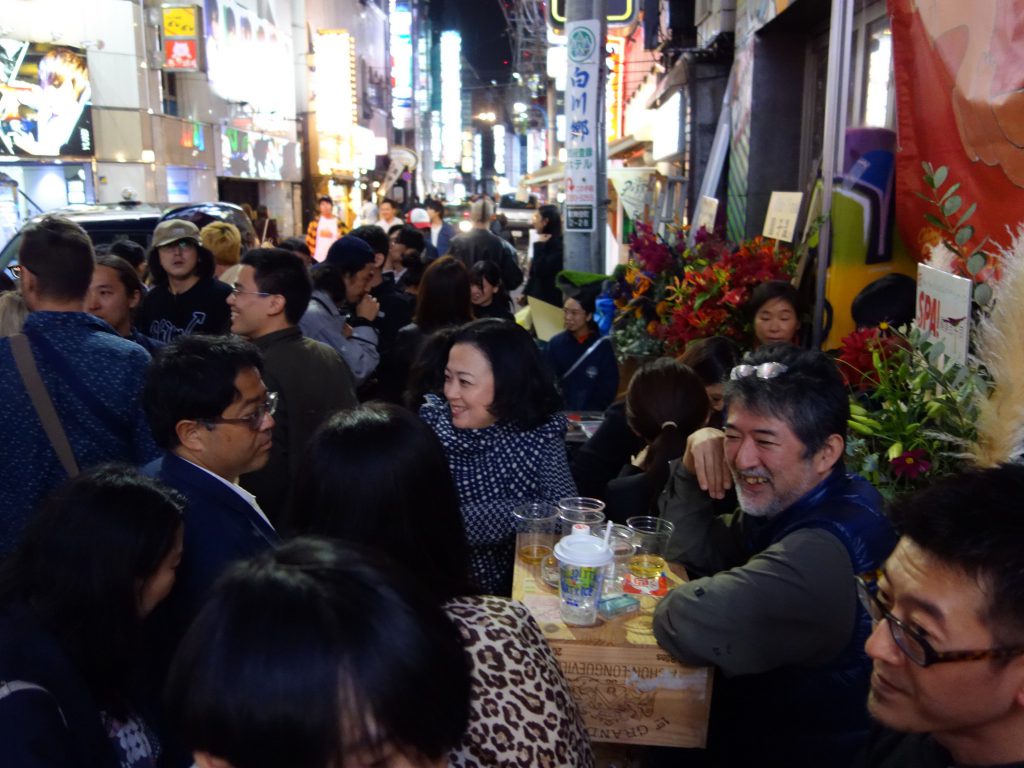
(220, 529)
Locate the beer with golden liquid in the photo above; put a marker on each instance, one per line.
(534, 553)
(645, 566)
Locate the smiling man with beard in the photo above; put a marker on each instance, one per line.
(776, 610)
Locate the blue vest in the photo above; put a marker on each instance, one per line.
(828, 704)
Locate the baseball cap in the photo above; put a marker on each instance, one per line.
(173, 230)
(349, 254)
(419, 218)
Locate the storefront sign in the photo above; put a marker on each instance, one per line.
(45, 100)
(181, 39)
(944, 310)
(581, 103)
(616, 47)
(401, 65)
(631, 187)
(334, 99)
(451, 99)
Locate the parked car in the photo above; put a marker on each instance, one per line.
(106, 223)
(519, 215)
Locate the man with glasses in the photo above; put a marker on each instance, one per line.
(213, 416)
(776, 610)
(185, 298)
(312, 380)
(948, 642)
(92, 377)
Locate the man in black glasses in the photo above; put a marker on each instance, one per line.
(776, 610)
(210, 411)
(948, 640)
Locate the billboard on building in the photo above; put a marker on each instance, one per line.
(249, 155)
(45, 100)
(249, 53)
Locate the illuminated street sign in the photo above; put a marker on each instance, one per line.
(620, 13)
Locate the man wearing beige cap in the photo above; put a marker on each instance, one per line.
(185, 298)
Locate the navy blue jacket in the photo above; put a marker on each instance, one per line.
(592, 386)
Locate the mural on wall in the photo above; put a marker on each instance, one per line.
(967, 119)
(45, 100)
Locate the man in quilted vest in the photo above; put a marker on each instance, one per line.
(776, 609)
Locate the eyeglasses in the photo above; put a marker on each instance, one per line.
(255, 419)
(179, 244)
(238, 292)
(763, 371)
(16, 271)
(909, 640)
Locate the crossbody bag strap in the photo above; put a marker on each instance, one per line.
(11, 687)
(583, 357)
(42, 402)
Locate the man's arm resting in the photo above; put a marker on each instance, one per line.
(702, 541)
(792, 604)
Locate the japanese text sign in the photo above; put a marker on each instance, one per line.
(586, 54)
(783, 211)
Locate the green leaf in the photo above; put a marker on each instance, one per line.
(701, 298)
(927, 168)
(976, 263)
(924, 197)
(982, 293)
(963, 235)
(952, 188)
(936, 352)
(935, 221)
(970, 212)
(952, 205)
(940, 175)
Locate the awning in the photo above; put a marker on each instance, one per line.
(546, 175)
(625, 146)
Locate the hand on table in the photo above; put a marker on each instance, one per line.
(705, 459)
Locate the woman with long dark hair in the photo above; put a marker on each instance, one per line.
(377, 476)
(94, 561)
(490, 299)
(503, 433)
(548, 256)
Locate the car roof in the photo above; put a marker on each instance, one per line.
(95, 212)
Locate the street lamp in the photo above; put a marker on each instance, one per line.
(519, 108)
(487, 117)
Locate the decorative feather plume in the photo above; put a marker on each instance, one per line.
(1001, 350)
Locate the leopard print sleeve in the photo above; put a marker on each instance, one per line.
(522, 712)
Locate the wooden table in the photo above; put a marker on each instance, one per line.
(629, 690)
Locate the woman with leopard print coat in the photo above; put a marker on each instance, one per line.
(378, 476)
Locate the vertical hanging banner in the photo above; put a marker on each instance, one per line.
(967, 119)
(586, 53)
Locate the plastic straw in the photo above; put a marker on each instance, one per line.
(608, 533)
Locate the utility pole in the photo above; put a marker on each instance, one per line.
(586, 205)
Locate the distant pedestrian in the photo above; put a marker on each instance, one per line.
(324, 229)
(185, 298)
(480, 243)
(548, 256)
(266, 227)
(224, 241)
(297, 245)
(441, 232)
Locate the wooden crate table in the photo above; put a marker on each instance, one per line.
(629, 690)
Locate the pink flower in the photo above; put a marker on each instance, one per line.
(911, 464)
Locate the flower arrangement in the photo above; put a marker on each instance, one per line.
(669, 294)
(914, 414)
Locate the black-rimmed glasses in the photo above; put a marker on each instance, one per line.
(255, 419)
(909, 640)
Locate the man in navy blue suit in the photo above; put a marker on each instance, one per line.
(211, 413)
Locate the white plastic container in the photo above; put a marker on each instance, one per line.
(582, 561)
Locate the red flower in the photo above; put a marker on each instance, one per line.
(858, 367)
(911, 464)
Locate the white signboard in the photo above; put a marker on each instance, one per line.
(586, 54)
(783, 211)
(631, 187)
(706, 213)
(944, 309)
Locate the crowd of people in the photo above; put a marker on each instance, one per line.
(257, 512)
